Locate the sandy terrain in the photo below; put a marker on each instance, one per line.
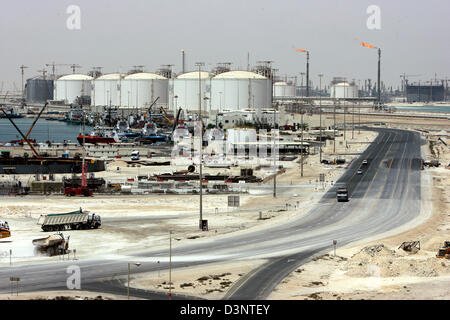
(61, 295)
(379, 269)
(338, 276)
(133, 223)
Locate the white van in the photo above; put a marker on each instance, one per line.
(135, 155)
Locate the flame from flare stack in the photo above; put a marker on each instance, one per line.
(367, 45)
(301, 50)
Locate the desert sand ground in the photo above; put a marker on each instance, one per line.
(379, 269)
(148, 227)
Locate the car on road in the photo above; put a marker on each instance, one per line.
(359, 171)
(364, 162)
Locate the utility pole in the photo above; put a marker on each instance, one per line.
(273, 155)
(22, 67)
(334, 128)
(320, 114)
(379, 87)
(200, 64)
(302, 74)
(170, 265)
(307, 73)
(302, 149)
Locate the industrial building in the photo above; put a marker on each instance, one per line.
(71, 87)
(283, 89)
(140, 90)
(39, 90)
(425, 93)
(184, 91)
(238, 90)
(106, 90)
(342, 89)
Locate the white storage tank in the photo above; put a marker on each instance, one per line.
(344, 90)
(139, 90)
(238, 90)
(283, 89)
(71, 86)
(184, 93)
(107, 90)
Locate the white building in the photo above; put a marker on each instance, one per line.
(283, 89)
(184, 92)
(69, 87)
(344, 90)
(106, 90)
(140, 90)
(238, 90)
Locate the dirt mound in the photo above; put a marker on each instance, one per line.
(379, 261)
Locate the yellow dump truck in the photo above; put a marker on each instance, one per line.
(54, 244)
(4, 230)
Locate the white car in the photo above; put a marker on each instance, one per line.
(359, 171)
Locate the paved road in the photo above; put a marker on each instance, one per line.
(385, 196)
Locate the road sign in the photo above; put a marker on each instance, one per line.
(14, 279)
(233, 201)
(334, 242)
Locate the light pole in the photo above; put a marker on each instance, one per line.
(176, 106)
(170, 264)
(301, 86)
(273, 155)
(302, 149)
(220, 104)
(200, 64)
(129, 267)
(320, 112)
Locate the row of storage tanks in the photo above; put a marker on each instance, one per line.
(233, 90)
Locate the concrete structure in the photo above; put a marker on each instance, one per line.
(283, 89)
(69, 87)
(239, 90)
(184, 92)
(139, 90)
(106, 90)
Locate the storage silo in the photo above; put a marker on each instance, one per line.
(283, 89)
(140, 90)
(186, 88)
(106, 90)
(71, 86)
(39, 90)
(342, 90)
(238, 90)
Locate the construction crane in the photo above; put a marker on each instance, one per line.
(53, 65)
(43, 71)
(74, 67)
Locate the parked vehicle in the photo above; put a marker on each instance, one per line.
(135, 155)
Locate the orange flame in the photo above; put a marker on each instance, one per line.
(367, 45)
(301, 50)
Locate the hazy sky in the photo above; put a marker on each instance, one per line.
(119, 34)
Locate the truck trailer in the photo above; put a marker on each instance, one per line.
(75, 220)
